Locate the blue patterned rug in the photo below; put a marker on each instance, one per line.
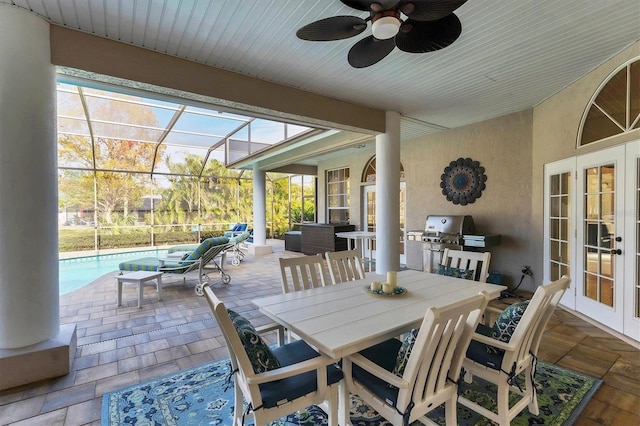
(200, 396)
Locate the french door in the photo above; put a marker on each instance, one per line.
(599, 257)
(597, 241)
(369, 215)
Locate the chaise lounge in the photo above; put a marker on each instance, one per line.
(196, 259)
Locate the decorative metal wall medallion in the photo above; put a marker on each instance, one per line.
(463, 181)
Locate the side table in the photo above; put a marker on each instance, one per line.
(139, 278)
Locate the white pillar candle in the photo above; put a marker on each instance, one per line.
(392, 278)
(376, 286)
(387, 288)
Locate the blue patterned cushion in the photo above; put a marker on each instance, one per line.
(149, 264)
(467, 274)
(405, 352)
(506, 324)
(260, 355)
(239, 238)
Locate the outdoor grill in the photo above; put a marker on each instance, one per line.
(455, 232)
(442, 232)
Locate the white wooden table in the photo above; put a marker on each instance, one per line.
(139, 278)
(342, 319)
(362, 240)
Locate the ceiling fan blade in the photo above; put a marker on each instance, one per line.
(424, 37)
(334, 28)
(366, 4)
(369, 51)
(429, 10)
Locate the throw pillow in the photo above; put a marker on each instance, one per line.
(467, 274)
(405, 352)
(506, 324)
(261, 357)
(443, 270)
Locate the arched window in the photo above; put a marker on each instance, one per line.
(369, 173)
(615, 108)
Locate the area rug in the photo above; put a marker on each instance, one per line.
(203, 395)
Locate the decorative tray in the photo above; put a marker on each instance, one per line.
(398, 291)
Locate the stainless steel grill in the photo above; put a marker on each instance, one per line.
(425, 247)
(441, 232)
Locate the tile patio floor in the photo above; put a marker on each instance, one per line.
(119, 346)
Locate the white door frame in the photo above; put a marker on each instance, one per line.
(632, 248)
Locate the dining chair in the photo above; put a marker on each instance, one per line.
(498, 354)
(475, 265)
(405, 380)
(302, 273)
(344, 265)
(279, 381)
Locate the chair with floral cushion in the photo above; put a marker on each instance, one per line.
(465, 264)
(499, 354)
(405, 380)
(279, 381)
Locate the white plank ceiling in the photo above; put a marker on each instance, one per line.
(511, 54)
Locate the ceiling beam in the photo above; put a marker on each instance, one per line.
(83, 51)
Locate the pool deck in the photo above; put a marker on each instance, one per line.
(120, 346)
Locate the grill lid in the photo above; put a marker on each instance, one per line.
(453, 224)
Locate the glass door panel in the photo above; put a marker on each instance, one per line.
(599, 209)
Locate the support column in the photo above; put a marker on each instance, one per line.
(388, 196)
(259, 245)
(30, 332)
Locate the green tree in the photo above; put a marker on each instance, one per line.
(181, 196)
(278, 214)
(118, 161)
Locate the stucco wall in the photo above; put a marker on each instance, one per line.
(355, 159)
(503, 148)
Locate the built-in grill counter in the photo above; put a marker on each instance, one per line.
(455, 232)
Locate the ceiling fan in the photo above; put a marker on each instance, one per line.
(429, 25)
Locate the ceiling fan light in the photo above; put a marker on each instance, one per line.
(385, 27)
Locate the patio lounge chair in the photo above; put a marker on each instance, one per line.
(238, 253)
(196, 260)
(236, 249)
(235, 230)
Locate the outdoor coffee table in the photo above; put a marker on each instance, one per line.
(139, 278)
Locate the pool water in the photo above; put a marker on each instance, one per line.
(80, 271)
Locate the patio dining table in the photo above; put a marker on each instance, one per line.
(345, 318)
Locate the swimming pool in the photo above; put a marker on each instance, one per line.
(80, 271)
